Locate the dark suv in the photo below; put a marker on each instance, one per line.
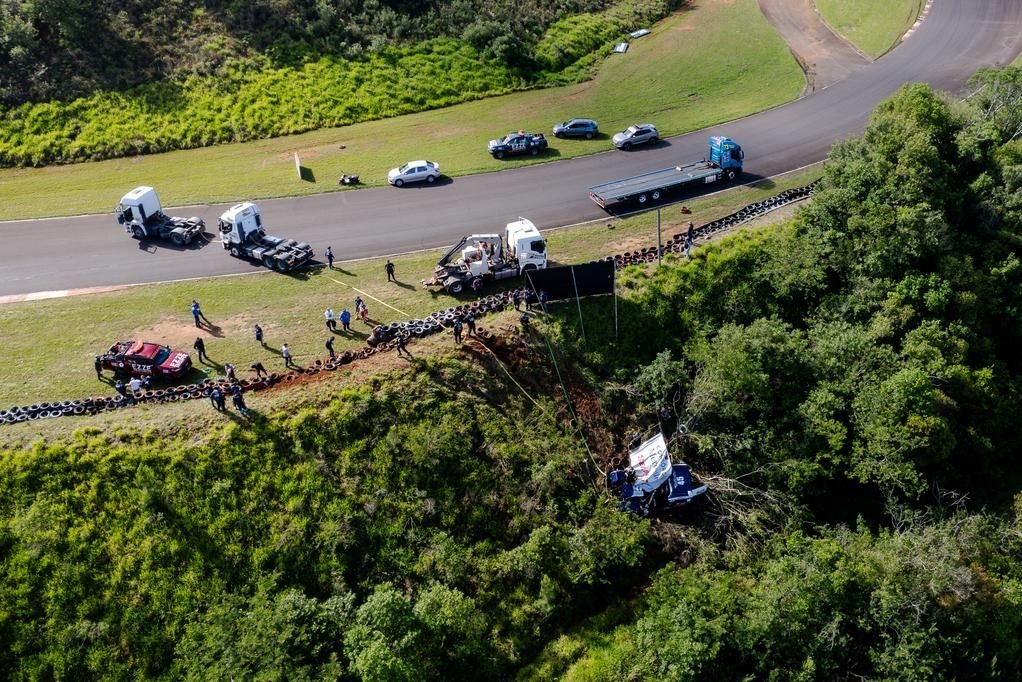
(518, 143)
(577, 127)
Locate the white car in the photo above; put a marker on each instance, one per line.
(414, 171)
(637, 134)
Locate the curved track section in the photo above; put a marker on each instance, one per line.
(957, 38)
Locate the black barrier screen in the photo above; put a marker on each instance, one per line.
(592, 279)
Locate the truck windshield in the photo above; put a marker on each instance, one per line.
(538, 246)
(125, 213)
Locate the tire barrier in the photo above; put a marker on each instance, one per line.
(383, 337)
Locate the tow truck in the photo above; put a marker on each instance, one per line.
(142, 216)
(724, 162)
(242, 235)
(489, 257)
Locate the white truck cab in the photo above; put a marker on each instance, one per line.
(137, 206)
(525, 245)
(240, 223)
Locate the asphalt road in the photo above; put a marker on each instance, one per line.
(957, 38)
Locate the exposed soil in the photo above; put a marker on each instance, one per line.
(824, 56)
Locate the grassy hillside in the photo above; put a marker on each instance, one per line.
(685, 82)
(873, 26)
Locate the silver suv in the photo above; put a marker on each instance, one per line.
(636, 134)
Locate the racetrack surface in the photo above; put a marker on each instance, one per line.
(957, 38)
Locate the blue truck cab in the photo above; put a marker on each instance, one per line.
(728, 155)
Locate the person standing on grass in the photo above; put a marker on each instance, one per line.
(330, 257)
(147, 383)
(229, 370)
(358, 305)
(239, 401)
(470, 322)
(285, 353)
(330, 347)
(259, 334)
(197, 313)
(690, 234)
(99, 368)
(402, 349)
(390, 271)
(688, 247)
(346, 320)
(543, 299)
(364, 314)
(135, 385)
(457, 330)
(216, 399)
(330, 323)
(200, 348)
(516, 298)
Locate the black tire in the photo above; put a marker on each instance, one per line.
(431, 179)
(589, 136)
(534, 151)
(499, 155)
(282, 265)
(641, 198)
(137, 233)
(399, 182)
(730, 174)
(177, 239)
(653, 140)
(268, 262)
(655, 195)
(626, 146)
(456, 287)
(236, 252)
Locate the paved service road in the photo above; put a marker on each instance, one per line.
(957, 38)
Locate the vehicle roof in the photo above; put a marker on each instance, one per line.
(145, 349)
(637, 126)
(420, 162)
(580, 120)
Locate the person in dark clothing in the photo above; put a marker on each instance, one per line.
(457, 331)
(120, 388)
(259, 334)
(516, 298)
(200, 348)
(390, 271)
(330, 347)
(99, 368)
(402, 349)
(197, 313)
(216, 399)
(229, 370)
(470, 322)
(346, 320)
(239, 401)
(330, 257)
(530, 300)
(543, 298)
(147, 382)
(477, 286)
(258, 368)
(690, 235)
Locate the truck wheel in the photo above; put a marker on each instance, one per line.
(236, 252)
(282, 266)
(730, 174)
(655, 195)
(268, 262)
(399, 182)
(137, 233)
(177, 239)
(455, 287)
(642, 198)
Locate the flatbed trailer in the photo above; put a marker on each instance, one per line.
(725, 163)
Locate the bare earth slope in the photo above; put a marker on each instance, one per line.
(825, 57)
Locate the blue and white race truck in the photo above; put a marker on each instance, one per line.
(723, 163)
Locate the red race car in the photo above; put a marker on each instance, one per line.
(141, 358)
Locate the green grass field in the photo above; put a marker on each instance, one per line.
(50, 344)
(873, 26)
(680, 78)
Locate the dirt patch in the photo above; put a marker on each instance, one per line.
(178, 333)
(824, 56)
